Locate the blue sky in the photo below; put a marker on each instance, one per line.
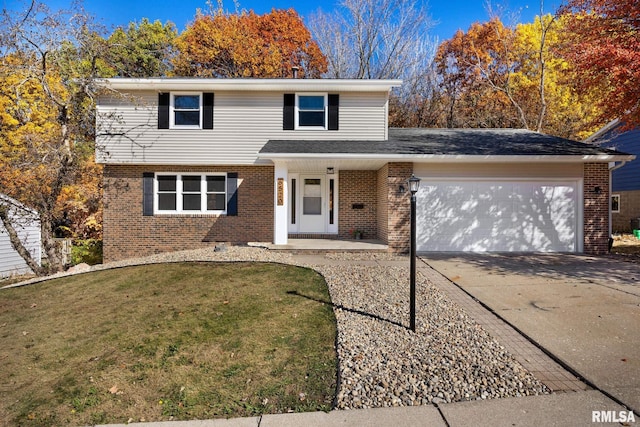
(450, 14)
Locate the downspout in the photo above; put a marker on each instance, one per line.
(612, 167)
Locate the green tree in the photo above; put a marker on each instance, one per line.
(142, 49)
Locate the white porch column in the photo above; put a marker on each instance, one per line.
(281, 204)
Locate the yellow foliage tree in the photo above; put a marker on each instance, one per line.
(46, 145)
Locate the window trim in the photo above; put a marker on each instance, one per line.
(180, 193)
(297, 125)
(172, 116)
(618, 197)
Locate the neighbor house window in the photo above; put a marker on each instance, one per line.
(191, 193)
(615, 203)
(186, 110)
(311, 111)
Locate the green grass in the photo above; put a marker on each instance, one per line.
(171, 341)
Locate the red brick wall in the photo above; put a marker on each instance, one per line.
(358, 188)
(596, 208)
(399, 220)
(126, 233)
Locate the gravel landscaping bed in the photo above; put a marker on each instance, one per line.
(381, 363)
(450, 358)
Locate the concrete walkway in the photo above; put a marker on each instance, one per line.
(572, 404)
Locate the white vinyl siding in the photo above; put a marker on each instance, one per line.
(244, 122)
(28, 229)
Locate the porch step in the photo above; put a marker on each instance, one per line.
(322, 246)
(313, 236)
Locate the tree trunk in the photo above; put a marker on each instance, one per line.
(17, 244)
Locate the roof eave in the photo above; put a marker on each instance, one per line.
(177, 84)
(448, 158)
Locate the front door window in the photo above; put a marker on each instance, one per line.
(312, 199)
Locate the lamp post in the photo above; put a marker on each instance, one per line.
(414, 184)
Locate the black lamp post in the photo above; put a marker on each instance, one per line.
(414, 184)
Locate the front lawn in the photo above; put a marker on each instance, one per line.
(169, 341)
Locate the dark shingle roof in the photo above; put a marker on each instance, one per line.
(454, 142)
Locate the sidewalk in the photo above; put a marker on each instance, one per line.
(561, 409)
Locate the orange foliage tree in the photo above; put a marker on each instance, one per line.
(248, 45)
(477, 69)
(605, 49)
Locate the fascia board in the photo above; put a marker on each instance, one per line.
(253, 85)
(438, 158)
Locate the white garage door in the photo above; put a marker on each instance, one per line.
(497, 216)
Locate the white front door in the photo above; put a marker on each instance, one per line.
(314, 210)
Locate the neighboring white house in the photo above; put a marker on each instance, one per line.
(27, 225)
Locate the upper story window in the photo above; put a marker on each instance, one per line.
(311, 111)
(186, 110)
(191, 193)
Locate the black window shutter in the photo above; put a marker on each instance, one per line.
(232, 194)
(289, 111)
(147, 193)
(163, 110)
(207, 111)
(334, 106)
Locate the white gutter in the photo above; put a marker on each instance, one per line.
(262, 85)
(444, 158)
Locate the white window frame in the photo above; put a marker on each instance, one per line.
(179, 193)
(326, 111)
(172, 110)
(618, 197)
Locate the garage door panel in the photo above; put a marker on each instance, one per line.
(497, 216)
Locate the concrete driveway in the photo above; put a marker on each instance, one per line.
(584, 310)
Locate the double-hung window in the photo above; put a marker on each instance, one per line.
(186, 110)
(311, 111)
(191, 193)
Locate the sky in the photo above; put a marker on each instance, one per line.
(449, 15)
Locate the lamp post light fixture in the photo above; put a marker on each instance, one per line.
(414, 185)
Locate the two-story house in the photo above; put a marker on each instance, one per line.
(625, 178)
(190, 162)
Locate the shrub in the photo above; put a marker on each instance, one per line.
(88, 251)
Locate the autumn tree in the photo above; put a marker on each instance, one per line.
(546, 83)
(141, 49)
(47, 63)
(245, 44)
(477, 68)
(497, 76)
(605, 50)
